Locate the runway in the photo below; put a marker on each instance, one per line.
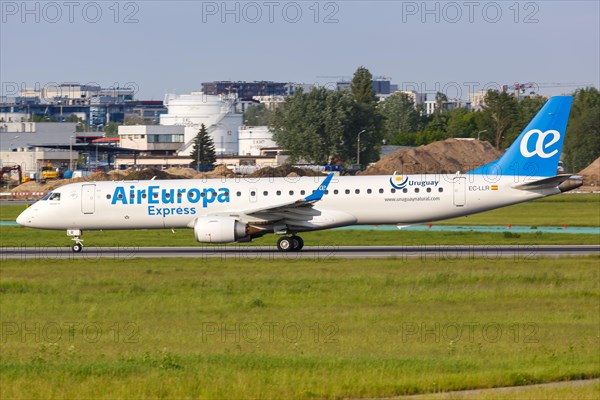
(518, 253)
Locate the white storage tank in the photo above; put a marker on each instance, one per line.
(254, 138)
(217, 113)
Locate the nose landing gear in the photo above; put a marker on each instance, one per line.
(78, 245)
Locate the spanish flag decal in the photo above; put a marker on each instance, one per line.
(494, 187)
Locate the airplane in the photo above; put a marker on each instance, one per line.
(241, 209)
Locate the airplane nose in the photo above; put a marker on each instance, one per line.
(24, 218)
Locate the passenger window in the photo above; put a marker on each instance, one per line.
(131, 196)
(265, 193)
(357, 191)
(144, 196)
(380, 190)
(120, 196)
(253, 193)
(302, 192)
(393, 190)
(155, 195)
(291, 192)
(238, 194)
(347, 191)
(279, 193)
(336, 191)
(107, 196)
(405, 190)
(440, 190)
(428, 190)
(327, 192)
(416, 190)
(369, 191)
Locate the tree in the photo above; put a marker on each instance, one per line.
(362, 87)
(582, 143)
(366, 118)
(501, 110)
(203, 152)
(440, 99)
(461, 123)
(111, 129)
(315, 126)
(323, 125)
(400, 116)
(257, 115)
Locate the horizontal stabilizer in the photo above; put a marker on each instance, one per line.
(550, 183)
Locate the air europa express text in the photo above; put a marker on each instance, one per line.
(157, 195)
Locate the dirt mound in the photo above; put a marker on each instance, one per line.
(190, 173)
(149, 173)
(218, 172)
(283, 171)
(130, 175)
(33, 186)
(591, 174)
(448, 156)
(118, 174)
(183, 172)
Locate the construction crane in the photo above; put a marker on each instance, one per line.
(521, 88)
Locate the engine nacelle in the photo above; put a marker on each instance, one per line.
(219, 230)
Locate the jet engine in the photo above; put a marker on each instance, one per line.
(219, 230)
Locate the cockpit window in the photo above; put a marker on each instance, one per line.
(54, 196)
(46, 197)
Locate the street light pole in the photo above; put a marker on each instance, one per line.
(358, 147)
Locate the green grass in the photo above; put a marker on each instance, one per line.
(570, 209)
(27, 237)
(211, 328)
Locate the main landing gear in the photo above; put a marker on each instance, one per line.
(78, 245)
(290, 243)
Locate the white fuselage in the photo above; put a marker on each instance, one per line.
(348, 201)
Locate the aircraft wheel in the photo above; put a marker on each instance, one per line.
(298, 243)
(77, 247)
(285, 244)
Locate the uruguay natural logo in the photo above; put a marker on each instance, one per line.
(397, 182)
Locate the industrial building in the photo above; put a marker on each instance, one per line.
(22, 143)
(92, 104)
(247, 90)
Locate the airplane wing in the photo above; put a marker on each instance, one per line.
(294, 213)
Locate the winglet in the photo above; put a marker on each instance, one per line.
(320, 192)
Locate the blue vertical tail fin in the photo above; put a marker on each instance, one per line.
(536, 152)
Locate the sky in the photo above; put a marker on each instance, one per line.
(160, 47)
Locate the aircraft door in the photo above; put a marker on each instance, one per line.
(253, 193)
(88, 198)
(460, 191)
